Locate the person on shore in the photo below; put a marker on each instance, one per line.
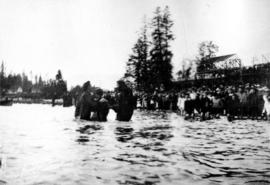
(54, 99)
(166, 101)
(152, 103)
(203, 106)
(232, 105)
(253, 103)
(124, 102)
(217, 106)
(193, 101)
(242, 95)
(266, 99)
(173, 101)
(189, 109)
(181, 104)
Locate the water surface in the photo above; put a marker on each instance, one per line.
(44, 145)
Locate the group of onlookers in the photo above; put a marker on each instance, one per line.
(236, 102)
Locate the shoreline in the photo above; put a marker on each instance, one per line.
(36, 101)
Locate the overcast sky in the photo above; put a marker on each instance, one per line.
(91, 39)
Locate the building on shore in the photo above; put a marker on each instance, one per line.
(227, 70)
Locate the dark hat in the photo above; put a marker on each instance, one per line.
(99, 92)
(86, 85)
(121, 82)
(121, 85)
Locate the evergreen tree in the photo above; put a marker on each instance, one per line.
(59, 86)
(59, 76)
(2, 78)
(160, 54)
(138, 63)
(186, 71)
(207, 49)
(26, 83)
(36, 80)
(152, 70)
(2, 72)
(167, 25)
(146, 65)
(40, 82)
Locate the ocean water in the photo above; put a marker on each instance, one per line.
(44, 145)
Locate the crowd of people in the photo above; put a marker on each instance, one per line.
(236, 102)
(203, 103)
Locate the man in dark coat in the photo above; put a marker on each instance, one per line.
(232, 106)
(242, 95)
(188, 107)
(204, 104)
(86, 103)
(53, 99)
(124, 102)
(253, 103)
(102, 106)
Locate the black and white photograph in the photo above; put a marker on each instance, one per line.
(135, 92)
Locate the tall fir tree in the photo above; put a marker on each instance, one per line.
(2, 77)
(160, 54)
(58, 76)
(40, 82)
(60, 86)
(138, 63)
(207, 49)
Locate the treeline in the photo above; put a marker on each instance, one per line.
(149, 66)
(22, 85)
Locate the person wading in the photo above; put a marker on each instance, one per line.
(124, 102)
(85, 104)
(102, 106)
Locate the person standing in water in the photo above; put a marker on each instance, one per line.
(102, 106)
(124, 102)
(85, 103)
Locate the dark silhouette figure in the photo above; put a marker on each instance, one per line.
(86, 103)
(53, 99)
(103, 110)
(67, 100)
(124, 102)
(102, 107)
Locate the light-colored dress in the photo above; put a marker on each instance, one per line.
(181, 103)
(266, 105)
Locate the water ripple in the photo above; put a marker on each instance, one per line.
(154, 148)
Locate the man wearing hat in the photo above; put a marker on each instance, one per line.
(125, 102)
(102, 106)
(86, 103)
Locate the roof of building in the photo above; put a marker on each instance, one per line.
(218, 59)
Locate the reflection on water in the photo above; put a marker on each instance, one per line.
(40, 144)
